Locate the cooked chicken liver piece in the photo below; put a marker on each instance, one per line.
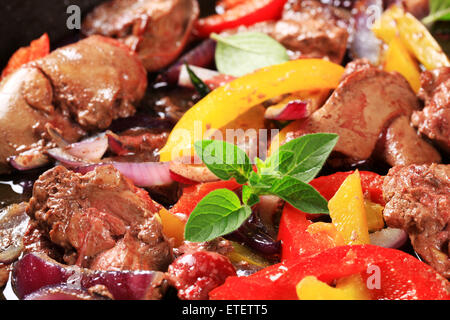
(158, 30)
(365, 102)
(434, 120)
(78, 88)
(101, 220)
(418, 201)
(308, 29)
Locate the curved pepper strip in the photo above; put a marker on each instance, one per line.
(228, 102)
(293, 229)
(396, 22)
(401, 275)
(243, 13)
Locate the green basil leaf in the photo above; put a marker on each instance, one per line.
(199, 85)
(224, 159)
(246, 52)
(303, 157)
(439, 10)
(249, 197)
(300, 195)
(218, 213)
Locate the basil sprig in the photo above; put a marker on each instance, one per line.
(439, 10)
(198, 83)
(246, 52)
(285, 174)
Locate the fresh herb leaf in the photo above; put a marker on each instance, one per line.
(249, 197)
(439, 10)
(246, 52)
(300, 195)
(302, 158)
(224, 159)
(199, 85)
(218, 213)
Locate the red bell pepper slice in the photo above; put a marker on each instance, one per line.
(402, 275)
(244, 13)
(38, 49)
(296, 241)
(193, 194)
(371, 184)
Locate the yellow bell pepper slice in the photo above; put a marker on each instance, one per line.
(399, 59)
(374, 213)
(348, 288)
(329, 230)
(173, 227)
(347, 211)
(415, 36)
(228, 102)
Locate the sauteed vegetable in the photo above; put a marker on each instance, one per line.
(279, 149)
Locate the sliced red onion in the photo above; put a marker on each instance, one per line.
(211, 78)
(66, 158)
(91, 149)
(28, 160)
(13, 225)
(293, 110)
(192, 172)
(61, 292)
(143, 174)
(36, 270)
(200, 56)
(389, 238)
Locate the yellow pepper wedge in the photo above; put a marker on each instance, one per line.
(173, 227)
(399, 59)
(241, 253)
(228, 102)
(415, 36)
(348, 288)
(329, 230)
(348, 213)
(374, 213)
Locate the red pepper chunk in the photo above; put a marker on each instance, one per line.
(371, 184)
(401, 275)
(243, 13)
(38, 48)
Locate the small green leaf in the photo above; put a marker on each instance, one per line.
(303, 157)
(300, 195)
(217, 214)
(199, 85)
(246, 52)
(224, 159)
(439, 10)
(249, 197)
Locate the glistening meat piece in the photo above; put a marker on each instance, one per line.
(158, 30)
(78, 88)
(402, 145)
(434, 120)
(308, 29)
(99, 213)
(418, 201)
(364, 103)
(95, 81)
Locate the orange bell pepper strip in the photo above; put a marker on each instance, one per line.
(398, 59)
(415, 36)
(173, 226)
(37, 49)
(228, 102)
